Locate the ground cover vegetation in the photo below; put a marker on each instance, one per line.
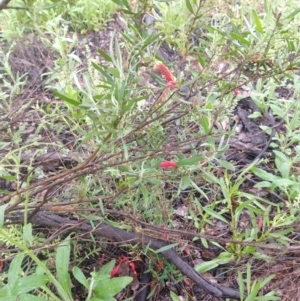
(149, 150)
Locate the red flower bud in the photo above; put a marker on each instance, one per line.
(168, 164)
(171, 81)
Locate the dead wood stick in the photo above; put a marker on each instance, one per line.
(122, 236)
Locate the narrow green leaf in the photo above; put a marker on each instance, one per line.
(215, 214)
(263, 174)
(165, 248)
(62, 260)
(241, 285)
(271, 297)
(14, 270)
(248, 275)
(201, 61)
(204, 122)
(114, 71)
(174, 297)
(80, 277)
(240, 39)
(27, 233)
(204, 242)
(105, 55)
(109, 79)
(253, 293)
(266, 280)
(189, 6)
(282, 163)
(190, 161)
(293, 14)
(6, 175)
(149, 40)
(65, 98)
(226, 165)
(207, 265)
(128, 106)
(4, 144)
(257, 22)
(118, 55)
(107, 268)
(127, 38)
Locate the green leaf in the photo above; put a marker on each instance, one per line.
(189, 6)
(123, 3)
(110, 287)
(62, 260)
(65, 98)
(223, 258)
(266, 280)
(254, 292)
(215, 214)
(226, 165)
(257, 22)
(4, 144)
(263, 174)
(15, 269)
(241, 285)
(107, 299)
(127, 38)
(27, 233)
(128, 106)
(2, 212)
(185, 182)
(174, 297)
(283, 182)
(204, 122)
(293, 14)
(282, 163)
(105, 55)
(240, 39)
(103, 71)
(149, 40)
(201, 61)
(114, 71)
(206, 266)
(6, 175)
(80, 277)
(107, 268)
(29, 283)
(190, 161)
(165, 248)
(29, 297)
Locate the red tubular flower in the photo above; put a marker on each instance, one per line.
(115, 270)
(168, 164)
(171, 81)
(132, 267)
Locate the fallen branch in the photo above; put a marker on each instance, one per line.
(121, 236)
